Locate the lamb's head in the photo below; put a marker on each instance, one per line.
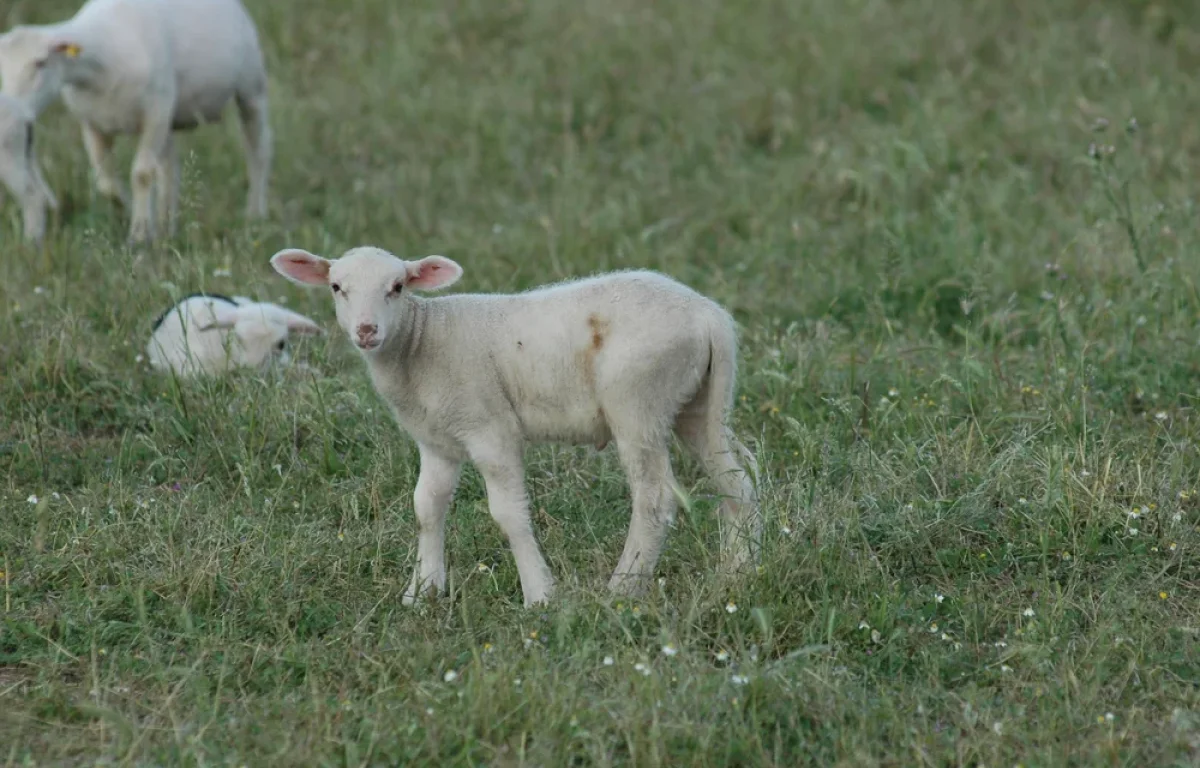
(260, 332)
(33, 64)
(370, 287)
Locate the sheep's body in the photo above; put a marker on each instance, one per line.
(208, 334)
(630, 357)
(148, 68)
(20, 172)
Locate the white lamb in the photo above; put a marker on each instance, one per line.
(206, 334)
(19, 168)
(627, 356)
(148, 68)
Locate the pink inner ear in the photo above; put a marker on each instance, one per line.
(301, 266)
(432, 272)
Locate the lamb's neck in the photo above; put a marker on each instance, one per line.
(403, 352)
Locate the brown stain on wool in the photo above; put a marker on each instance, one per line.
(598, 328)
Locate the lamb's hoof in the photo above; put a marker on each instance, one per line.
(628, 585)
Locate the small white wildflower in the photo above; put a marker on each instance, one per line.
(739, 679)
(219, 272)
(1133, 514)
(33, 499)
(722, 655)
(785, 531)
(1133, 531)
(933, 628)
(640, 667)
(1005, 668)
(1175, 518)
(945, 637)
(1160, 416)
(1022, 500)
(1141, 320)
(1047, 296)
(1108, 716)
(939, 598)
(1172, 546)
(670, 650)
(731, 607)
(893, 392)
(662, 581)
(450, 676)
(482, 568)
(608, 661)
(517, 681)
(1085, 473)
(863, 625)
(876, 637)
(998, 727)
(1000, 644)
(1028, 613)
(54, 495)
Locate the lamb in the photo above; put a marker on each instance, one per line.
(206, 334)
(626, 356)
(148, 68)
(19, 168)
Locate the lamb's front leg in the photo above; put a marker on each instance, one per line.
(431, 500)
(504, 475)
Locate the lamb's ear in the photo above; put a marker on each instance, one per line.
(301, 267)
(432, 273)
(67, 48)
(217, 314)
(295, 322)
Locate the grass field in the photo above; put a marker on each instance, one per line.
(971, 355)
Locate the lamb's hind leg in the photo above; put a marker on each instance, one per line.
(732, 467)
(647, 464)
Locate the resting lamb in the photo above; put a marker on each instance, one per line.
(627, 356)
(19, 169)
(207, 333)
(148, 68)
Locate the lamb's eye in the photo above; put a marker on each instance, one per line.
(281, 344)
(336, 288)
(396, 288)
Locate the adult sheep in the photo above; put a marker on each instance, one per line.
(630, 357)
(147, 68)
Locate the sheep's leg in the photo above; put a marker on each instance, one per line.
(18, 177)
(731, 467)
(504, 475)
(431, 500)
(156, 133)
(257, 141)
(167, 188)
(99, 152)
(648, 468)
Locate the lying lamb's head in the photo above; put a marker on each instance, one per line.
(260, 331)
(33, 64)
(370, 287)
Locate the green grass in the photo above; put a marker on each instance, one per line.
(970, 351)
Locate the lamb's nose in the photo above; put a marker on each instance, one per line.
(367, 331)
